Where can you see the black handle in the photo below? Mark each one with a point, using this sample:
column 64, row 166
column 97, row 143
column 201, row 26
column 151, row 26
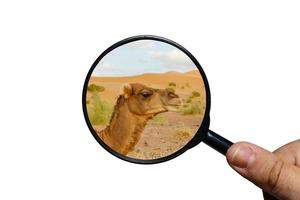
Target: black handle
column 217, row 142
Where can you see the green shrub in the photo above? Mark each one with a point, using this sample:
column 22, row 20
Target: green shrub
column 189, row 100
column 94, row 87
column 99, row 111
column 191, row 109
column 196, row 94
column 185, row 105
column 172, row 84
column 159, row 120
column 170, row 89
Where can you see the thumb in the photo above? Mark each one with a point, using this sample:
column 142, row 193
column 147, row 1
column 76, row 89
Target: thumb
column 265, row 170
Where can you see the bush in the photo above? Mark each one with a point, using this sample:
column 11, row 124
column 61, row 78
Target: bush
column 191, row 109
column 189, row 100
column 170, row 89
column 187, row 85
column 196, row 94
column 99, row 111
column 159, row 120
column 172, row 84
column 94, row 87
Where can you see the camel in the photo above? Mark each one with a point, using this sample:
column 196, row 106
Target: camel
column 134, row 108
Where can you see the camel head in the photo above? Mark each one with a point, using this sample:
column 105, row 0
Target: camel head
column 143, row 100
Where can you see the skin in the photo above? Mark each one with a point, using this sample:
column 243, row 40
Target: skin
column 277, row 173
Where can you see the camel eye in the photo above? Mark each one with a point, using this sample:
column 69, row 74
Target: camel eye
column 146, row 93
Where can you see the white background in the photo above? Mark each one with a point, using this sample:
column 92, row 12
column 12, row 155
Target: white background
column 249, row 51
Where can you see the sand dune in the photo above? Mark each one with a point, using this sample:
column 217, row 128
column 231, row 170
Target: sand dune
column 186, row 82
column 191, row 77
column 193, row 73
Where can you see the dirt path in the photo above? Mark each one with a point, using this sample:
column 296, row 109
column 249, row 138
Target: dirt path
column 160, row 140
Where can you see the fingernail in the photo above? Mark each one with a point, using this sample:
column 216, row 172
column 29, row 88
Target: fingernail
column 241, row 156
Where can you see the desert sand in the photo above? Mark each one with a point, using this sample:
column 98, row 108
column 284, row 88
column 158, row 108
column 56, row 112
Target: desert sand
column 113, row 85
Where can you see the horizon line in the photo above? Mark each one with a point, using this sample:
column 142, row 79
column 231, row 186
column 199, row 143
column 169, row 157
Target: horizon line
column 110, row 76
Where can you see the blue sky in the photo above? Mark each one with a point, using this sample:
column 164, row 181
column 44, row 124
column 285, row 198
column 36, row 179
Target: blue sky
column 143, row 56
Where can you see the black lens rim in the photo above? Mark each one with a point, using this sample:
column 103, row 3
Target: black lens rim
column 199, row 134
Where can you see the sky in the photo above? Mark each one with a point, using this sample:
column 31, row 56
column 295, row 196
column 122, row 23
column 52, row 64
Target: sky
column 143, row 56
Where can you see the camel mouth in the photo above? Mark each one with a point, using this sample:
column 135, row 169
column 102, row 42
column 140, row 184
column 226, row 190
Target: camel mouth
column 172, row 108
column 175, row 105
column 166, row 108
column 157, row 110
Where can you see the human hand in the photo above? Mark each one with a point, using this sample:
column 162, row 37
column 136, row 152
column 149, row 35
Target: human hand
column 277, row 173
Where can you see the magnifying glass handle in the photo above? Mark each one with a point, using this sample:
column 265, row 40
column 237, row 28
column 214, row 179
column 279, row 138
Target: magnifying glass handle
column 217, row 142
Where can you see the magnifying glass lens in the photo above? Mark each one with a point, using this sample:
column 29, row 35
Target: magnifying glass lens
column 145, row 100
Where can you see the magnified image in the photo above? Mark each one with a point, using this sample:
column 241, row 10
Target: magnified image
column 145, row 99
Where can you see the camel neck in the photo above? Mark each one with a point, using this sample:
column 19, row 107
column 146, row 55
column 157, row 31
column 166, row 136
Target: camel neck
column 125, row 128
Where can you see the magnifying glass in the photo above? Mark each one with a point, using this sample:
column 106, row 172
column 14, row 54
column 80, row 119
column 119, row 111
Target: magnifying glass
column 146, row 100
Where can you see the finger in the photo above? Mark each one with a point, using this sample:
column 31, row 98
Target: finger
column 265, row 169
column 290, row 153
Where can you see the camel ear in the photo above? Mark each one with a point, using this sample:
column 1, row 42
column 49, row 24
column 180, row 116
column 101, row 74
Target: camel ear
column 127, row 90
